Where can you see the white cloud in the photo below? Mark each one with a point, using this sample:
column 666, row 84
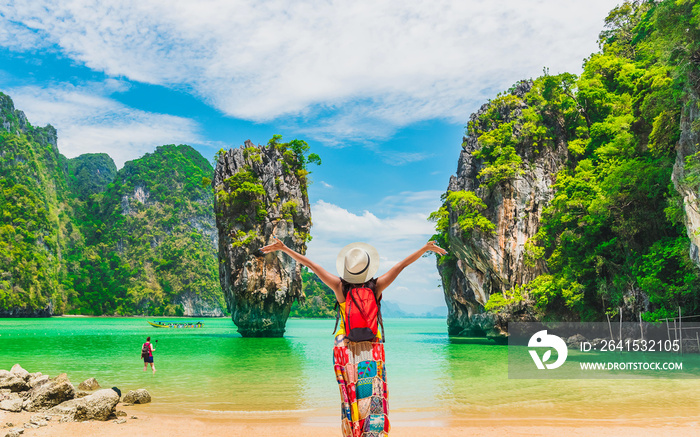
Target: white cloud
column 402, row 231
column 88, row 122
column 331, row 219
column 367, row 66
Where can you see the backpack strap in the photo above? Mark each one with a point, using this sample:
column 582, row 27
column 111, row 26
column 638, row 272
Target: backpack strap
column 379, row 317
column 337, row 316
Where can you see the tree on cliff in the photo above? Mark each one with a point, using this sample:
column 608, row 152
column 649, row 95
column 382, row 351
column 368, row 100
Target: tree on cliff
column 612, row 235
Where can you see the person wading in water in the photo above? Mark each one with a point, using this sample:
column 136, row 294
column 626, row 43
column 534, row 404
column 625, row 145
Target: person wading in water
column 358, row 354
column 147, row 350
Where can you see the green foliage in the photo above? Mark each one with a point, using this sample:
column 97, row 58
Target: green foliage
column 32, row 217
column 512, row 128
column 243, row 193
column 498, row 301
column 143, row 252
column 241, row 238
column 289, row 209
column 691, row 177
column 78, row 237
column 90, row 173
column 468, row 207
column 613, row 225
column 296, row 157
column 252, row 153
column 495, row 131
column 320, row 299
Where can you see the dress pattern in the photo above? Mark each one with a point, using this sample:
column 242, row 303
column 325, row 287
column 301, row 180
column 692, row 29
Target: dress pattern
column 361, row 374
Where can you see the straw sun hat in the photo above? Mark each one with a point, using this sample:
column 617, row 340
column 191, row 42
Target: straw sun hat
column 357, row 262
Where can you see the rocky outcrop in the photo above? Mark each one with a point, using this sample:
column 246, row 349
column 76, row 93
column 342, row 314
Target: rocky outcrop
column 140, row 396
column 686, row 171
column 194, row 306
column 49, row 394
column 260, row 193
column 89, row 384
column 56, row 399
column 97, row 406
column 488, row 263
column 11, row 402
column 12, row 381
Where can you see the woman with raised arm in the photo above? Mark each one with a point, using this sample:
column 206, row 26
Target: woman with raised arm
column 359, row 365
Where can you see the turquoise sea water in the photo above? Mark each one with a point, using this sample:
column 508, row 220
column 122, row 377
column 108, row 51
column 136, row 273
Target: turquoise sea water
column 432, row 378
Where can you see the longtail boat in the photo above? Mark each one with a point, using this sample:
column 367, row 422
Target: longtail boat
column 176, row 325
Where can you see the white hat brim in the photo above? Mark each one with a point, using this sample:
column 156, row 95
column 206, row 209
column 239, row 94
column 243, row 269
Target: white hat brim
column 367, row 274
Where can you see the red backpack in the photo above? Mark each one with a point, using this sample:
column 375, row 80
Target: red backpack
column 362, row 316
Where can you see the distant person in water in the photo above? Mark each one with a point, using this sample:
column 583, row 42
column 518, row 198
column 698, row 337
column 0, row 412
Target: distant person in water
column 147, row 350
column 359, row 365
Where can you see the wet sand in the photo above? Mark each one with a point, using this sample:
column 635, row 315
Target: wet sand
column 150, row 423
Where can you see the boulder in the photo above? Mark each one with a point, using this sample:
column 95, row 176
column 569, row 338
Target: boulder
column 140, row 396
column 37, row 421
column 11, row 402
column 13, row 382
column 49, row 394
column 15, row 432
column 17, row 370
column 37, row 379
column 89, row 385
column 97, row 406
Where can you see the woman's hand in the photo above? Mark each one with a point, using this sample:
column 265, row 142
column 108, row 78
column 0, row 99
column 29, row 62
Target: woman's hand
column 430, row 246
column 274, row 246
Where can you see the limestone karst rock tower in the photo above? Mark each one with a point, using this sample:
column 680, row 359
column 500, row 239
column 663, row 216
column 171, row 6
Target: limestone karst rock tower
column 261, row 193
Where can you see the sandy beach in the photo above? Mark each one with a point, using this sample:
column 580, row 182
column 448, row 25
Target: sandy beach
column 190, row 425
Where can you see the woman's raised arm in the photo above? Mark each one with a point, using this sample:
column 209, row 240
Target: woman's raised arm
column 387, row 278
column 327, row 278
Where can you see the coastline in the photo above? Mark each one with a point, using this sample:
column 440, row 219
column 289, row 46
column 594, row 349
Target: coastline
column 178, row 425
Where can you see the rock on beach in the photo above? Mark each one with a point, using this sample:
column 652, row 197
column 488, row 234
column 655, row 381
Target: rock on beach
column 97, row 406
column 58, row 398
column 90, row 384
column 140, row 396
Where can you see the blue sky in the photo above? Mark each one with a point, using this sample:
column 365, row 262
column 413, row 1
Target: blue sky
column 380, row 90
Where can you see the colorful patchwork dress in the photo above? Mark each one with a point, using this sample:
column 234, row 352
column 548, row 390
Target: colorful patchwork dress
column 361, row 374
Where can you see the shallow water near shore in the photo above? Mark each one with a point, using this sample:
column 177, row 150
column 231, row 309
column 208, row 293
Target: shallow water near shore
column 433, row 379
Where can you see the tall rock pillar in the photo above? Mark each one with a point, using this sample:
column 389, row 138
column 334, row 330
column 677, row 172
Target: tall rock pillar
column 260, row 193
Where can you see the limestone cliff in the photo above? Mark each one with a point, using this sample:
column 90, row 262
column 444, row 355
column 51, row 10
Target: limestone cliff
column 159, row 221
column 493, row 262
column 685, row 173
column 32, row 195
column 260, row 193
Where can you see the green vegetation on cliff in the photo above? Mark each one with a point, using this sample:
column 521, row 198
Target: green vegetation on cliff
column 76, row 236
column 612, row 236
column 33, row 218
column 150, row 240
column 319, row 301
column 90, row 173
